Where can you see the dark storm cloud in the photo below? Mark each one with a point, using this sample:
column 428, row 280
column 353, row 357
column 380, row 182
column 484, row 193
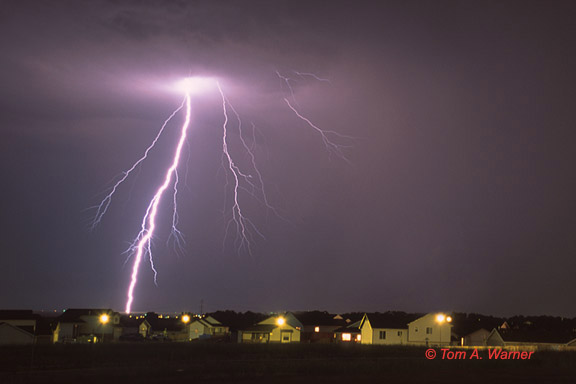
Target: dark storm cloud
column 459, row 194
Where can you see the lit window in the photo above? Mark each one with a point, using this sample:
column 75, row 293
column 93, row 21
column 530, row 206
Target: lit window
column 358, row 337
column 317, row 329
column 346, row 337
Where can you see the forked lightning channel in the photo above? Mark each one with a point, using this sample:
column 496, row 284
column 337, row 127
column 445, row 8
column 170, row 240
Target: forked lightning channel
column 242, row 226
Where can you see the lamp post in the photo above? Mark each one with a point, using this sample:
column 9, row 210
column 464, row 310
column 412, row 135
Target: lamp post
column 104, row 319
column 186, row 319
column 441, row 319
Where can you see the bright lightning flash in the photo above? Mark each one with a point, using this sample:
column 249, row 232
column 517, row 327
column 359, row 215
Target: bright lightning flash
column 241, row 180
column 142, row 244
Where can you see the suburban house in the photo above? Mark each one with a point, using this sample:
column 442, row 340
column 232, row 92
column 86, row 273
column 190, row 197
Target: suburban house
column 476, row 338
column 319, row 327
column 160, row 327
column 388, row 328
column 13, row 335
column 349, row 334
column 399, row 328
column 205, row 327
column 87, row 326
column 434, row 329
column 282, row 328
column 23, row 319
column 540, row 339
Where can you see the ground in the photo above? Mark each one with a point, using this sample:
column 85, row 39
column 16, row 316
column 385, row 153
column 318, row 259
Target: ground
column 302, row 363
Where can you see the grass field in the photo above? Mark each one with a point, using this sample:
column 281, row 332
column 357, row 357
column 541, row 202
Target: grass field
column 237, row 363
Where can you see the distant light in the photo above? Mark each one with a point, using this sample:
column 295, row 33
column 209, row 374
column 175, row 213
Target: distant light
column 440, row 318
column 104, row 318
column 449, row 319
column 280, row 321
column 317, row 329
column 185, row 319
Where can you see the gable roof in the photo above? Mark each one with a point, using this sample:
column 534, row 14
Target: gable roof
column 534, row 336
column 209, row 320
column 389, row 320
column 316, row 318
column 351, row 328
column 18, row 314
column 13, row 328
column 74, row 314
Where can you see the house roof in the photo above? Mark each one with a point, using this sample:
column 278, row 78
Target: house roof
column 73, row 315
column 209, row 320
column 316, row 318
column 351, row 328
column 481, row 330
column 18, row 314
column 390, row 320
column 16, row 329
column 171, row 324
column 535, row 336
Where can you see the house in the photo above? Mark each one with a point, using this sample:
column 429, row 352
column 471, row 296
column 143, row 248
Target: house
column 390, row 328
column 282, row 328
column 23, row 319
column 349, row 334
column 205, row 327
column 476, row 338
column 13, row 335
column 434, row 329
column 87, row 326
column 530, row 338
column 319, row 327
column 165, row 328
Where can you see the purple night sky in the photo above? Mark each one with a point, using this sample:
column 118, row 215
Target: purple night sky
column 460, row 194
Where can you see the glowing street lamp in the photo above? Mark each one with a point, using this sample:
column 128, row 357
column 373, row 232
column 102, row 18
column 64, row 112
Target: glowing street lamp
column 441, row 319
column 280, row 321
column 186, row 319
column 104, row 319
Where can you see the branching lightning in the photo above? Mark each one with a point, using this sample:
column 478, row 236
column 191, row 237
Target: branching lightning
column 142, row 244
column 238, row 180
column 243, row 225
column 330, row 145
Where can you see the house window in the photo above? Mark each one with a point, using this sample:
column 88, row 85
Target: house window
column 358, row 338
column 428, row 330
column 382, row 335
column 416, row 329
column 346, row 337
column 399, row 333
column 286, row 338
column 316, row 329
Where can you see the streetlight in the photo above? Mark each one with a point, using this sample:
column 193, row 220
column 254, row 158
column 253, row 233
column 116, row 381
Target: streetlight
column 186, row 319
column 441, row 319
column 104, row 319
column 280, row 321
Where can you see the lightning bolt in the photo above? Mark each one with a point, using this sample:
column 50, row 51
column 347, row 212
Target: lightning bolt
column 244, row 226
column 142, row 244
column 240, row 180
column 331, row 146
column 103, row 206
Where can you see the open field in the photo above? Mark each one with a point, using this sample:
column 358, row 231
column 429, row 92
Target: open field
column 308, row 363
